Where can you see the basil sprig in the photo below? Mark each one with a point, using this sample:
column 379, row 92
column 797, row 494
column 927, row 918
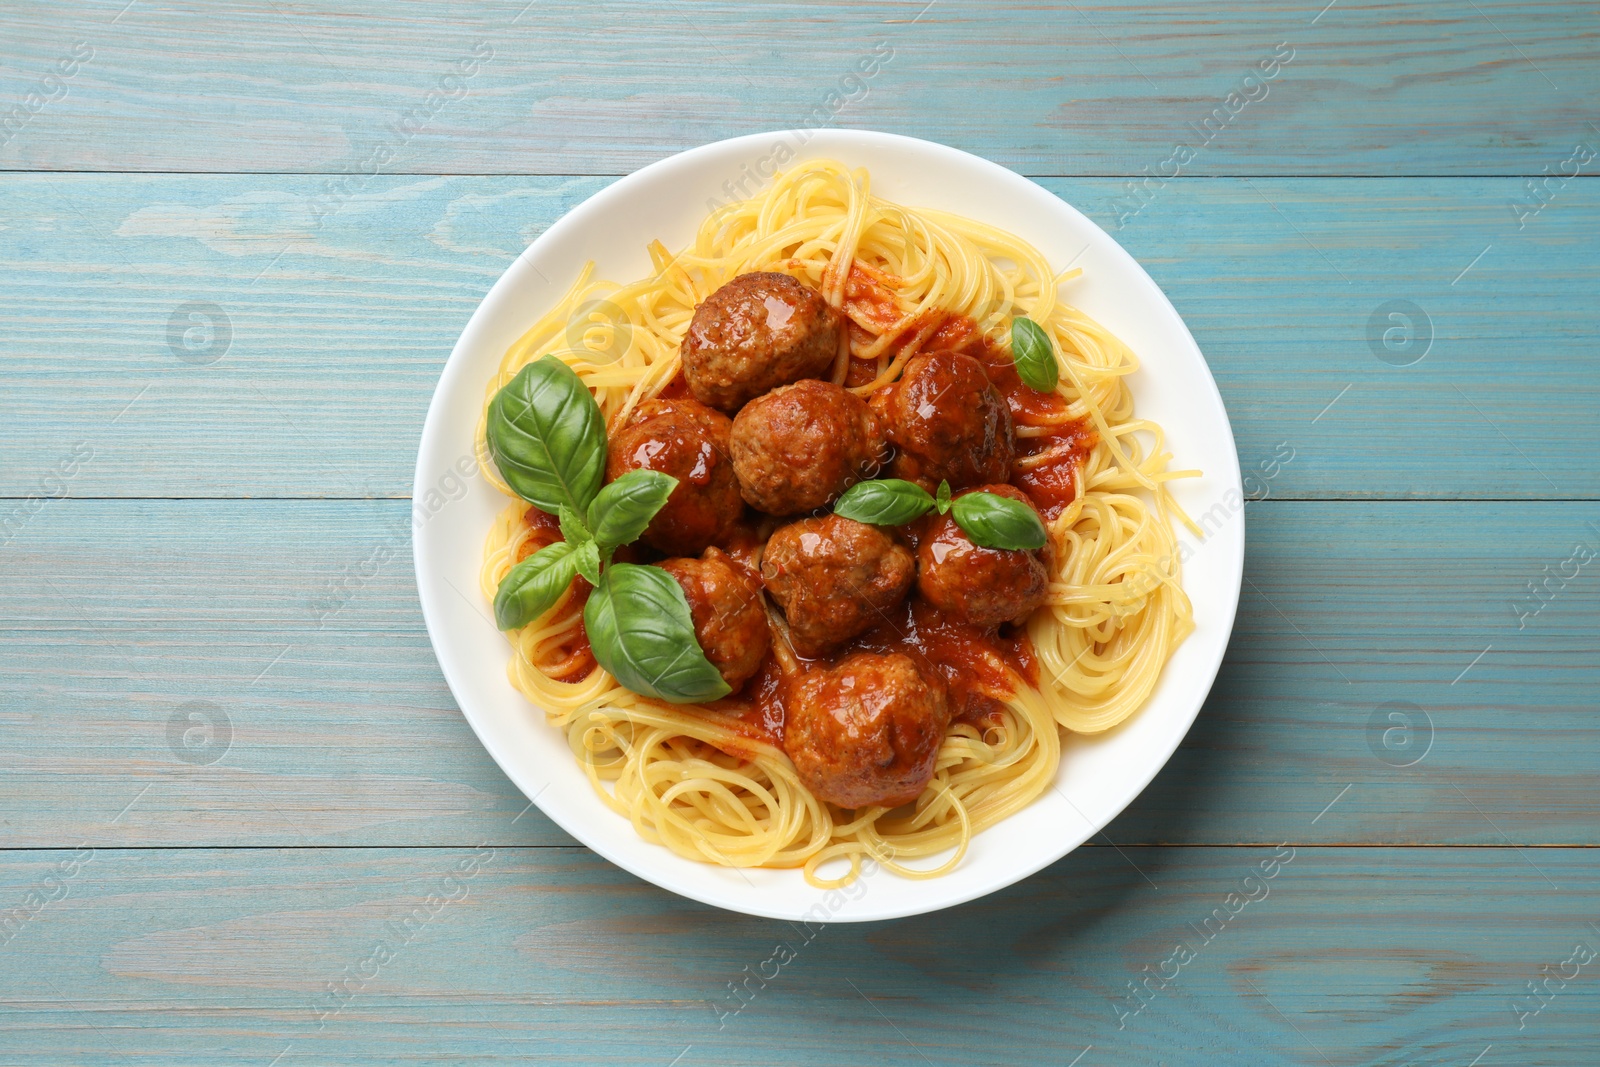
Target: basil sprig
column 638, row 619
column 548, row 438
column 617, row 515
column 988, row 519
column 1034, row 355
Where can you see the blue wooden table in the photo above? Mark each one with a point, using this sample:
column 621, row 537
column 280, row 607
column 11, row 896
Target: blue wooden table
column 238, row 241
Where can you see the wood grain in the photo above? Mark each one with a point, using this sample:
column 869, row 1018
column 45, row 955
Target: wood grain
column 336, row 334
column 1497, row 87
column 1344, row 956
column 342, row 731
column 239, row 240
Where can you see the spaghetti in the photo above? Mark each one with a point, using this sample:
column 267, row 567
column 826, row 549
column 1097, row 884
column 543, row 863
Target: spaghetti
column 699, row 781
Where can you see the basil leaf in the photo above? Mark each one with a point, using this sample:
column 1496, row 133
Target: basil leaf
column 1034, row 355
column 885, row 502
column 941, row 499
column 533, row 585
column 625, row 507
column 995, row 521
column 586, row 559
column 573, row 531
column 641, row 631
column 548, row 438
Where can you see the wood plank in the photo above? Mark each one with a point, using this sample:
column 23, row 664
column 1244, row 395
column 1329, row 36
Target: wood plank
column 1344, row 956
column 336, row 335
column 1375, row 87
column 119, row 614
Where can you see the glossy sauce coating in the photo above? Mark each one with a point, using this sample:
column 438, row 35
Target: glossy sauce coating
column 1050, row 482
column 976, row 664
column 834, row 578
column 947, row 421
column 729, row 620
column 983, row 587
column 881, row 674
column 798, row 447
column 689, row 441
column 977, row 667
column 759, row 331
column 867, row 730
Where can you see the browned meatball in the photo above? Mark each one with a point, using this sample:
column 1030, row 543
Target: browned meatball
column 866, row 732
column 729, row 619
column 801, row 445
column 758, row 332
column 981, row 586
column 689, row 441
column 947, row 421
column 834, row 577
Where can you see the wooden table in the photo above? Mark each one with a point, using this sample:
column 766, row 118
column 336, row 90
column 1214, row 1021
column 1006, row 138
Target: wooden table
column 239, row 241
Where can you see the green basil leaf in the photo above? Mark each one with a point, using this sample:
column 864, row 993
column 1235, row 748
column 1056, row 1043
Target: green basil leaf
column 625, row 507
column 586, row 558
column 641, row 631
column 548, row 438
column 941, row 500
column 1034, row 355
column 573, row 530
column 885, row 502
column 533, row 585
column 995, row 521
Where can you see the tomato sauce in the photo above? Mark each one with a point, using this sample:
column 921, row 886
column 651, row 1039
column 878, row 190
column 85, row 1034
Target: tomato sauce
column 673, row 390
column 974, row 664
column 869, row 295
column 756, row 711
column 1053, row 484
column 579, row 662
column 544, row 530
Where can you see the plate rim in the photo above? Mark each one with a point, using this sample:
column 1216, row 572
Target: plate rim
column 456, row 364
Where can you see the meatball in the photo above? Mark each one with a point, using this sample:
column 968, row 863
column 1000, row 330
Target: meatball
column 866, row 732
column 947, row 421
column 729, row 619
column 689, row 441
column 981, row 586
column 801, row 445
column 756, row 333
column 834, row 577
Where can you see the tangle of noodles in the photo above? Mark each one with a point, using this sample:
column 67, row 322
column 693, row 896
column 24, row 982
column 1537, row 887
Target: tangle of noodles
column 686, row 776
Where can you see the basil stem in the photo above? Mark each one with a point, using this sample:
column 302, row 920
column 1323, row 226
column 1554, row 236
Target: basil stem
column 994, row 521
column 885, row 502
column 548, row 438
column 641, row 631
column 534, row 585
column 625, row 507
column 1034, row 355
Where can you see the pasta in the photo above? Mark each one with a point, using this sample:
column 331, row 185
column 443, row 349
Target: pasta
column 695, row 779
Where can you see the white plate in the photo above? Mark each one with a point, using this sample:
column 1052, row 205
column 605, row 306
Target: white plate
column 667, row 200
